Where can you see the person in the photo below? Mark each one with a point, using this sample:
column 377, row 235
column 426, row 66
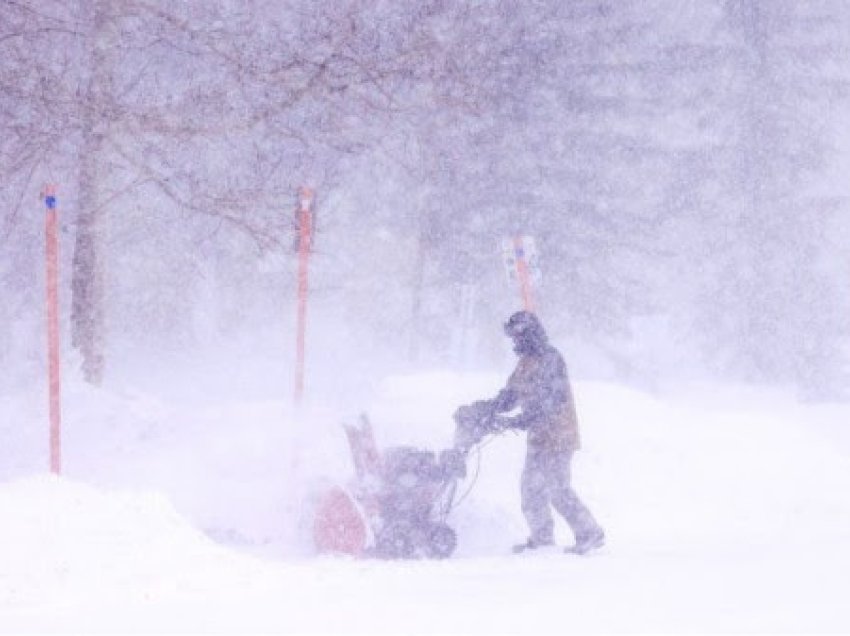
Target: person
column 540, row 387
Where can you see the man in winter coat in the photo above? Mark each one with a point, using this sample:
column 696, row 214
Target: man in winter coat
column 539, row 386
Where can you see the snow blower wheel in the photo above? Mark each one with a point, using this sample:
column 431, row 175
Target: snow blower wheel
column 396, row 541
column 442, row 541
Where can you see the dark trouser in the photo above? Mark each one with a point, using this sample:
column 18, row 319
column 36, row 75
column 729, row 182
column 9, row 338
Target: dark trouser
column 545, row 482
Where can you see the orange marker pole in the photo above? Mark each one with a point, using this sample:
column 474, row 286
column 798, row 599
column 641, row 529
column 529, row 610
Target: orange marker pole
column 53, row 366
column 523, row 274
column 305, row 231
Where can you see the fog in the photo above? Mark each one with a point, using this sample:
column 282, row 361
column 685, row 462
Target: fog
column 680, row 166
column 675, row 172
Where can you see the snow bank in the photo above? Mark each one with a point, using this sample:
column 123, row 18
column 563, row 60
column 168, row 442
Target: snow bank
column 67, row 543
column 724, row 511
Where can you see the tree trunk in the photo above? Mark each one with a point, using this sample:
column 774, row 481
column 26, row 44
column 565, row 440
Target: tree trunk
column 87, row 311
column 87, row 278
column 417, row 290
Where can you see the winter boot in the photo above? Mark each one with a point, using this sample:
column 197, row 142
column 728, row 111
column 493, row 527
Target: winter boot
column 532, row 544
column 587, row 542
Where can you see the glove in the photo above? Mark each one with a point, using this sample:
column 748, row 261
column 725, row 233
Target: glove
column 470, row 414
column 473, row 421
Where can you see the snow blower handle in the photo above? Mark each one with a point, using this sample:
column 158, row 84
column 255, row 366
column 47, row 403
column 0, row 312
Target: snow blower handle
column 474, row 422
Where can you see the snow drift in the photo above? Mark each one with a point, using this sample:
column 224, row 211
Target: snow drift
column 726, row 510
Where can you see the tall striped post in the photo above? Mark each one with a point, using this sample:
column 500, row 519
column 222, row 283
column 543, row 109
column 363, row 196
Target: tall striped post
column 53, row 362
column 305, row 232
column 523, row 273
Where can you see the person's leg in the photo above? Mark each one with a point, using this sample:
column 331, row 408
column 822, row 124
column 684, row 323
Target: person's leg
column 588, row 533
column 535, row 499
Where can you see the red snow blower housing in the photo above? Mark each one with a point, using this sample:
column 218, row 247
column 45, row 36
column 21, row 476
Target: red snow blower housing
column 399, row 502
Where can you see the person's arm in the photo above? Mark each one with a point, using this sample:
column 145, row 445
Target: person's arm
column 505, row 400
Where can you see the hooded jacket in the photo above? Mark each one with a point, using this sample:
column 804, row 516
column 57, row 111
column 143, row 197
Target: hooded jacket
column 540, row 387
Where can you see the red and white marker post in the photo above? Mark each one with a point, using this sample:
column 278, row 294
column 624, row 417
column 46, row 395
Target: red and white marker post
column 521, row 266
column 523, row 274
column 53, row 360
column 305, row 234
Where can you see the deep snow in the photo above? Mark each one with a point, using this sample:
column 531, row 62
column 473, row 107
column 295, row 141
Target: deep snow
column 726, row 511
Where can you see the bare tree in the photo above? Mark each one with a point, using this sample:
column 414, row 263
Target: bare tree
column 219, row 111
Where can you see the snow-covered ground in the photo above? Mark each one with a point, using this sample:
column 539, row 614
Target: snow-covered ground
column 727, row 510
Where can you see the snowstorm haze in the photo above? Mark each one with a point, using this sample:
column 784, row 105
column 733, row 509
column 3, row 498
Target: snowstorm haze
column 682, row 167
column 672, row 175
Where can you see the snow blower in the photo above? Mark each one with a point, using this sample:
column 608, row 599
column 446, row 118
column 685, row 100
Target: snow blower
column 397, row 506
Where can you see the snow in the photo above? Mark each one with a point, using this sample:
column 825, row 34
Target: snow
column 726, row 510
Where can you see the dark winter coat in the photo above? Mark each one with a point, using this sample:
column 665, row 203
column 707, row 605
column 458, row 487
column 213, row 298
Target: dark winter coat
column 540, row 387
